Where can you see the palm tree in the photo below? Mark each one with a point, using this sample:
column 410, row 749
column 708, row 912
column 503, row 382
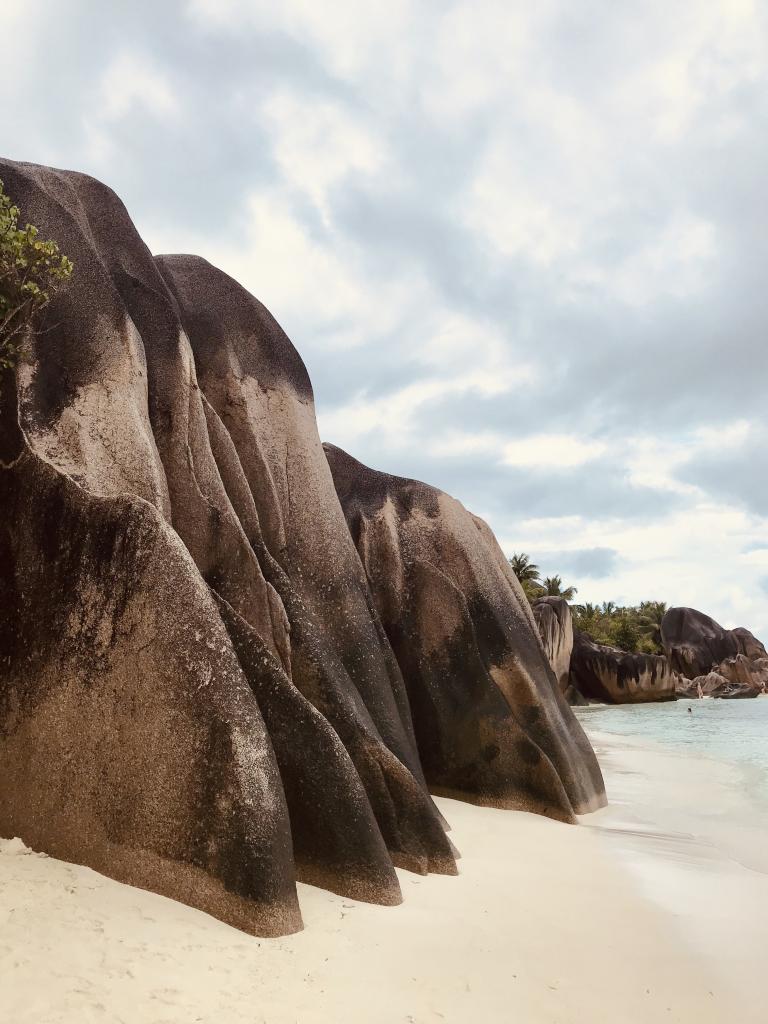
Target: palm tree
column 650, row 614
column 528, row 575
column 553, row 587
column 587, row 610
column 525, row 570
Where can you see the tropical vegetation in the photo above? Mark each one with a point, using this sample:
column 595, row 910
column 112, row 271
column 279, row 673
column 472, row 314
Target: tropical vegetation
column 629, row 627
column 30, row 271
column 553, row 587
column 529, row 576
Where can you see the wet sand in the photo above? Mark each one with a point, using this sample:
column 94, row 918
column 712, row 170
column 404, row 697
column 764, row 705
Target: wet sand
column 644, row 913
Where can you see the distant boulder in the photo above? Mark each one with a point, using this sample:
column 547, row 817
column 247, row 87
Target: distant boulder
column 555, row 624
column 608, row 674
column 751, row 673
column 715, row 684
column 694, row 643
column 749, row 645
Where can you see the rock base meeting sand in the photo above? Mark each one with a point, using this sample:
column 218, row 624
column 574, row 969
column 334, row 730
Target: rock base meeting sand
column 625, row 918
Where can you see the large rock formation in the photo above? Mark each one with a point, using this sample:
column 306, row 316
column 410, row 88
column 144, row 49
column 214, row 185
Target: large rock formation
column 613, row 676
column 490, row 721
column 745, row 672
column 694, row 643
column 714, row 684
column 196, row 692
column 736, row 677
column 555, row 624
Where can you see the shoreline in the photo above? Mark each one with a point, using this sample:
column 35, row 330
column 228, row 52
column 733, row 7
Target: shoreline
column 690, row 788
column 639, row 914
column 692, row 835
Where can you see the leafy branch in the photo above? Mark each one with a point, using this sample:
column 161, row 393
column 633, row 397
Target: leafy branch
column 30, row 271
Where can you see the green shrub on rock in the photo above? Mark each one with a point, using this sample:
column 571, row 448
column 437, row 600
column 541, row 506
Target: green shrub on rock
column 30, row 270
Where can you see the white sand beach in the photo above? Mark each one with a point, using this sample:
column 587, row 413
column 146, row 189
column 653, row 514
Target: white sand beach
column 648, row 912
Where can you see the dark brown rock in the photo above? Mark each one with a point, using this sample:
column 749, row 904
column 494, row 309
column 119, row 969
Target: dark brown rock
column 694, row 643
column 608, row 674
column 261, row 416
column 129, row 738
column 490, row 721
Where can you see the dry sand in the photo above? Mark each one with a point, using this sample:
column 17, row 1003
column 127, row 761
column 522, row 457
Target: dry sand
column 642, row 915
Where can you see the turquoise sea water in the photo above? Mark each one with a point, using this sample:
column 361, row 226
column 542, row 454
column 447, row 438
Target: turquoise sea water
column 733, row 731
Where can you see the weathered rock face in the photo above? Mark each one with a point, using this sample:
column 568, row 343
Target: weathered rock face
column 129, row 738
column 751, row 673
column 159, row 572
column 263, row 436
column 695, row 643
column 196, row 692
column 715, row 684
column 611, row 675
column 490, row 721
column 555, row 624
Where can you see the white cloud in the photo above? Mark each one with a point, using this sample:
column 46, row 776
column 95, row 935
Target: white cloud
column 475, row 54
column 314, row 281
column 551, row 450
column 393, row 417
column 674, row 263
column 318, row 144
column 701, row 51
column 655, row 461
column 537, row 451
column 349, row 36
column 515, row 220
column 18, row 19
column 132, row 81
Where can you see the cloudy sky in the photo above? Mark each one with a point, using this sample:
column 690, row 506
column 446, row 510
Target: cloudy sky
column 521, row 247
